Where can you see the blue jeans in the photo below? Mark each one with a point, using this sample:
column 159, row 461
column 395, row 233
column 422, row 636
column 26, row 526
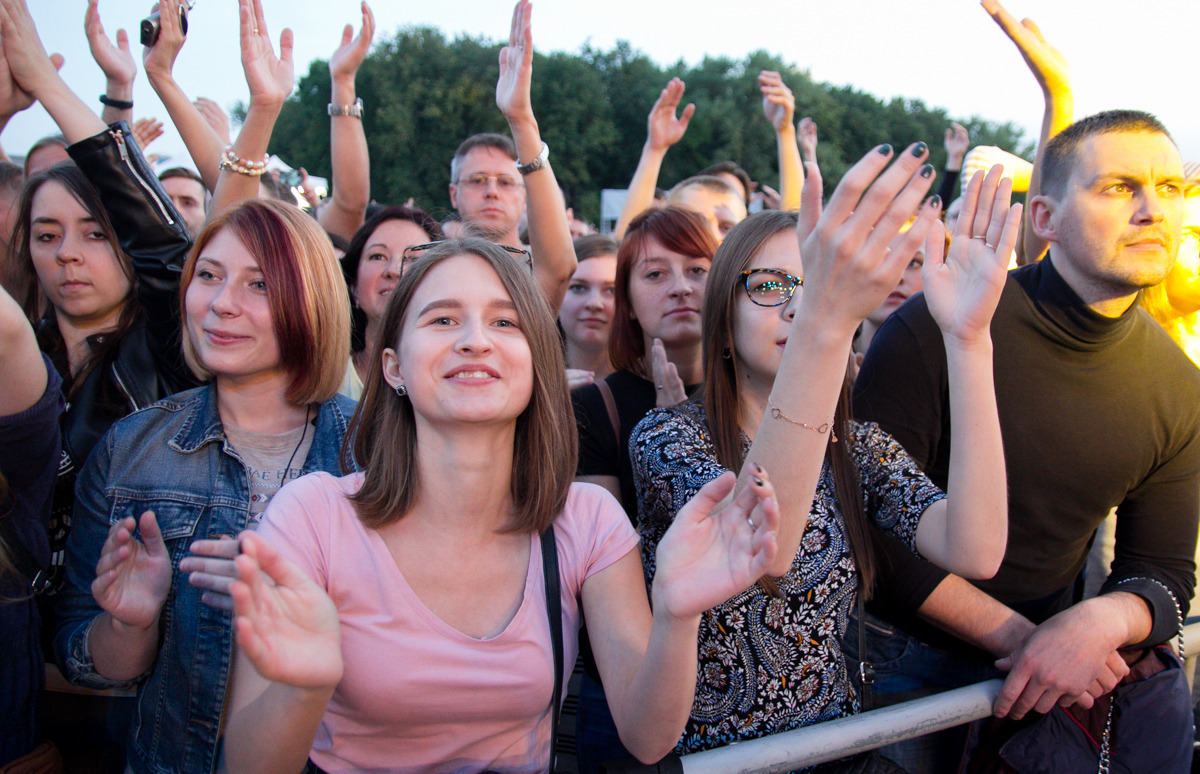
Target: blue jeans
column 596, row 738
column 907, row 669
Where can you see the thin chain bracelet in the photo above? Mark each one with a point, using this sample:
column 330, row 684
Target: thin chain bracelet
column 777, row 413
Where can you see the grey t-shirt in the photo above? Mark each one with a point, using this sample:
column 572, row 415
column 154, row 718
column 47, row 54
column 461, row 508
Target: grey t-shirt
column 272, row 459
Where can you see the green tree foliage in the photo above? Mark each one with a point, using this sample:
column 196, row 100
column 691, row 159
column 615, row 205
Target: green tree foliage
column 423, row 95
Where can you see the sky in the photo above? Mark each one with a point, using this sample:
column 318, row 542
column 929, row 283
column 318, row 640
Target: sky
column 948, row 53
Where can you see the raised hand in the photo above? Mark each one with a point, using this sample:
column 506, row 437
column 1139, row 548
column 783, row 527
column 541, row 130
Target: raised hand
column 159, row 59
column 578, row 377
column 269, row 77
column 116, row 61
column 214, row 116
column 146, row 131
column 855, row 254
column 350, row 54
column 28, row 64
column 667, row 384
column 957, row 143
column 778, row 102
column 963, row 289
column 286, row 625
column 1046, row 63
column 132, row 577
column 712, row 552
column 516, row 66
column 210, row 567
column 664, row 128
column 806, row 134
column 14, row 99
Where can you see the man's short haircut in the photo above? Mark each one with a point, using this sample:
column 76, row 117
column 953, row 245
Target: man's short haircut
column 46, row 142
column 730, row 168
column 707, row 182
column 1058, row 158
column 183, row 172
column 486, row 140
column 12, row 177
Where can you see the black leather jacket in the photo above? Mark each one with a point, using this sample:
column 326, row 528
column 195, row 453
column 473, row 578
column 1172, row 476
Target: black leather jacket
column 147, row 364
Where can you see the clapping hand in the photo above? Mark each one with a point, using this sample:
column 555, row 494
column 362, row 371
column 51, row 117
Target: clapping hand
column 116, row 61
column 350, row 55
column 286, row 624
column 711, row 552
column 132, row 577
column 963, row 289
column 806, row 134
column 29, row 66
column 957, row 143
column 211, row 567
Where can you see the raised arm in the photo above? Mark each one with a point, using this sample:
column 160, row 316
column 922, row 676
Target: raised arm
column 967, row 532
column 14, row 99
column 37, row 74
column 851, row 261
column 779, row 106
column 24, row 371
column 549, row 233
column 957, row 142
column 663, row 129
column 347, row 140
column 1050, row 69
column 117, row 64
column 270, row 79
column 202, row 142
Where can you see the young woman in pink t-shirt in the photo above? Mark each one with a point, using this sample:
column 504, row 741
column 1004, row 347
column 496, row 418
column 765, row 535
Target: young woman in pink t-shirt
column 396, row 619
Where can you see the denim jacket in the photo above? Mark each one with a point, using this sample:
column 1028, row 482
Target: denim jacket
column 171, row 458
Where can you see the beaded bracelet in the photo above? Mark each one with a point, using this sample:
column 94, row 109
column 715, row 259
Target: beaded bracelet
column 232, row 162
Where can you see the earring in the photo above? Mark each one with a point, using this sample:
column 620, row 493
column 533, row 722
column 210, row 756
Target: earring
column 727, row 353
column 401, row 390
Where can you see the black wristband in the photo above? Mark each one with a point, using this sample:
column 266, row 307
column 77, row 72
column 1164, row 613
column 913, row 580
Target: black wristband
column 119, row 104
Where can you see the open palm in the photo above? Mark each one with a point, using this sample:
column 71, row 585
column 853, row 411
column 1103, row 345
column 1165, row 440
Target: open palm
column 132, row 577
column 286, row 625
column 516, row 65
column 712, row 552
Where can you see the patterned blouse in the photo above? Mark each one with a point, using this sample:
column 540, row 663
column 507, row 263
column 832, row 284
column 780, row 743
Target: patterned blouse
column 769, row 664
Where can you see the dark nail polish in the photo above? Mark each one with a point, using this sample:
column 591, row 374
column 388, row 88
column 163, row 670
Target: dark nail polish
column 885, row 149
column 926, row 170
column 758, row 468
column 935, row 201
column 919, row 149
column 757, row 480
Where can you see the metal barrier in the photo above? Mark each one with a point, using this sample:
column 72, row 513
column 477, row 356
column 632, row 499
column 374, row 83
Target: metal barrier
column 848, row 736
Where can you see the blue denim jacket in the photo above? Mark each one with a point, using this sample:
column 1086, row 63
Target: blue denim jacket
column 171, row 458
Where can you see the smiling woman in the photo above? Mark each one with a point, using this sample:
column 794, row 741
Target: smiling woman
column 267, row 323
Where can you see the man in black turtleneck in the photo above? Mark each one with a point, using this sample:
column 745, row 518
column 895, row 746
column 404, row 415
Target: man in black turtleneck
column 1098, row 409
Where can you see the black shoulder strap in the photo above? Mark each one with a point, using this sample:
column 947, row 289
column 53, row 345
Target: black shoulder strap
column 554, row 613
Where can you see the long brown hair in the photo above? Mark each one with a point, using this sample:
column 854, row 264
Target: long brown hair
column 384, row 426
column 76, row 185
column 721, row 386
column 679, row 230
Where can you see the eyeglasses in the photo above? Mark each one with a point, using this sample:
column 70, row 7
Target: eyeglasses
column 770, row 287
column 480, row 181
column 414, row 252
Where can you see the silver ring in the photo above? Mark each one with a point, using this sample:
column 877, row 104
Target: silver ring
column 658, row 386
column 989, row 245
column 980, row 236
column 750, row 521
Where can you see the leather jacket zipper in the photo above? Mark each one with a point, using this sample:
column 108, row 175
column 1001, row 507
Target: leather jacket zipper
column 149, row 189
column 121, row 383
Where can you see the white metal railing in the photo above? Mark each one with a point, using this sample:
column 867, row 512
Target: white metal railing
column 848, row 736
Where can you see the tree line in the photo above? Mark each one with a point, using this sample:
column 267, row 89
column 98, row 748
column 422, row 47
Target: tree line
column 423, row 94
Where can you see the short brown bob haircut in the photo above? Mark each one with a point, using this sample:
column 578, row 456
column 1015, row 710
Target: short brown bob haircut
column 679, row 230
column 384, row 429
column 310, row 310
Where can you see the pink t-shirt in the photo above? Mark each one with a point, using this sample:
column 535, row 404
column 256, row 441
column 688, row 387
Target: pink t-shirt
column 417, row 695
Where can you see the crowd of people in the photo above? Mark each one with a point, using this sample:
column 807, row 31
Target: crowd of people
column 302, row 484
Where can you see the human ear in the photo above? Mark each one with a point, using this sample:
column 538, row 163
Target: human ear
column 454, row 196
column 1041, row 217
column 391, row 368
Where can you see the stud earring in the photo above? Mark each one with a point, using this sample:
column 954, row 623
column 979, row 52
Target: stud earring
column 401, row 390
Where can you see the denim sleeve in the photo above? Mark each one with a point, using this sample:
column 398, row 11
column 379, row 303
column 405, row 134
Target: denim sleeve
column 75, row 609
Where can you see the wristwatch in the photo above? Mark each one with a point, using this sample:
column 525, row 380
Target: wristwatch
column 537, row 163
column 354, row 111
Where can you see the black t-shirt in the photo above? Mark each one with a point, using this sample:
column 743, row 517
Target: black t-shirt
column 1095, row 413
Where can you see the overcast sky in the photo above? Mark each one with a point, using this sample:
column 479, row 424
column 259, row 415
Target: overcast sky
column 948, row 53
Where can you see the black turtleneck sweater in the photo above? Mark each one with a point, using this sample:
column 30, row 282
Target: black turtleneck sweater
column 1096, row 413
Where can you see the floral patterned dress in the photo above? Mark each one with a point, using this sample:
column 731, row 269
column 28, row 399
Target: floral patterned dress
column 769, row 664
